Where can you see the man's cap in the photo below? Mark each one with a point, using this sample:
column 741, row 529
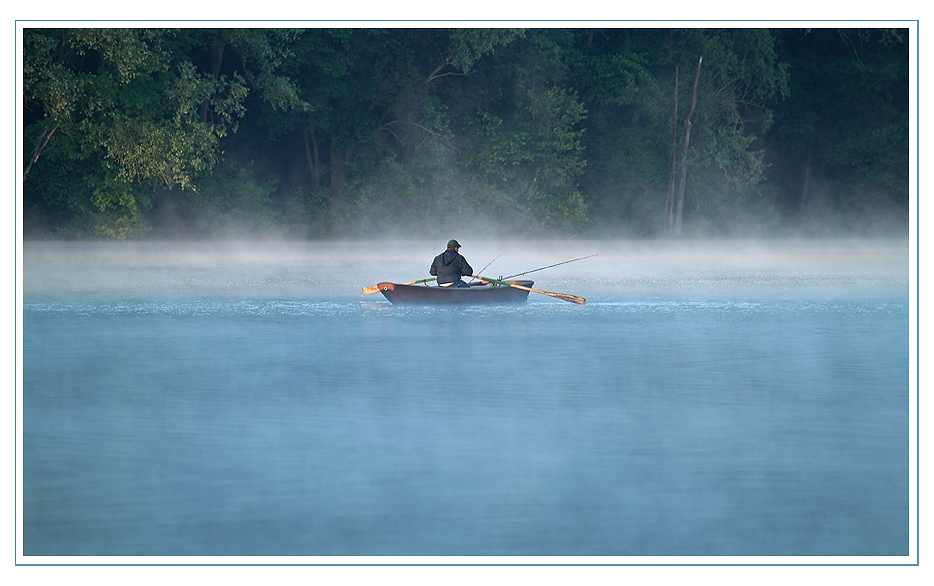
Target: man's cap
column 453, row 244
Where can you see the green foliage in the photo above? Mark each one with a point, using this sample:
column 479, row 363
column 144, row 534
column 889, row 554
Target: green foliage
column 171, row 150
column 469, row 45
column 231, row 202
column 263, row 53
column 872, row 146
column 118, row 214
column 73, row 193
column 114, row 95
column 740, row 74
column 343, row 132
column 847, row 118
column 236, row 201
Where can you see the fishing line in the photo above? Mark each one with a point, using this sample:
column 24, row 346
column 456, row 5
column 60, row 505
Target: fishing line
column 543, row 268
column 483, row 269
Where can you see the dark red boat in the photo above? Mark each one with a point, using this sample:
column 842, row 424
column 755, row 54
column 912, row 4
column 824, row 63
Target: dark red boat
column 476, row 294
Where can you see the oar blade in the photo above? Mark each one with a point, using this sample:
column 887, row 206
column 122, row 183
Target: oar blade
column 570, row 298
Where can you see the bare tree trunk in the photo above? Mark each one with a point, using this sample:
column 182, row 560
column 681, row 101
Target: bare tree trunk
column 311, row 154
column 807, row 177
column 338, row 170
column 669, row 203
column 684, row 163
column 40, row 145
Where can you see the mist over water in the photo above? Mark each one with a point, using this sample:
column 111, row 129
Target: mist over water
column 337, row 270
column 711, row 398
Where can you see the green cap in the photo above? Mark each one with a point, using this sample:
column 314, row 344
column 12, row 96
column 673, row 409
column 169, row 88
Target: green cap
column 453, row 244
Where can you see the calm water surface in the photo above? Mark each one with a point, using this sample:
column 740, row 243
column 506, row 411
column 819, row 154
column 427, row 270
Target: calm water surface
column 260, row 409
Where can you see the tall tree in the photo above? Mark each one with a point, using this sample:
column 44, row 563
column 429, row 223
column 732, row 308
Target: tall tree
column 123, row 111
column 624, row 83
column 348, row 131
column 840, row 145
column 743, row 76
column 679, row 205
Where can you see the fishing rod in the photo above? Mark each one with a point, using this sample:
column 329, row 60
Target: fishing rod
column 548, row 267
column 483, row 269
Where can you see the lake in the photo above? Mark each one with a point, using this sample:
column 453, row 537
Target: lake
column 732, row 398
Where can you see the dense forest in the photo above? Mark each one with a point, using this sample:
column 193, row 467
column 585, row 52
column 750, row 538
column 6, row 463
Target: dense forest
column 324, row 132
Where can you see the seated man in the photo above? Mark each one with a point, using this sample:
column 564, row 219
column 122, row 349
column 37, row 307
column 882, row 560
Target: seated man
column 450, row 266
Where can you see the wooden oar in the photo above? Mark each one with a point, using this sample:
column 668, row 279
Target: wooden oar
column 375, row 288
column 562, row 296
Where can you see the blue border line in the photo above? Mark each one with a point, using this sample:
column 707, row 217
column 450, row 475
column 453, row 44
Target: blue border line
column 468, row 20
column 918, row 294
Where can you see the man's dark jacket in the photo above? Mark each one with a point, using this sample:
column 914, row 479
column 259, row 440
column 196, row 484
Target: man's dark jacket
column 449, row 267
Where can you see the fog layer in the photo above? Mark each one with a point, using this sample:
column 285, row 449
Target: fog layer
column 338, row 270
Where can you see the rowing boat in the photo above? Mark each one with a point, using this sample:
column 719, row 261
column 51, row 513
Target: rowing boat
column 476, row 294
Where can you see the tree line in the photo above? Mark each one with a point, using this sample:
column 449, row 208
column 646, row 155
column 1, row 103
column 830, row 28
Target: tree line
column 324, row 132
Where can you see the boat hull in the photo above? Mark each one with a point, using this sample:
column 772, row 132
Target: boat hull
column 476, row 294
